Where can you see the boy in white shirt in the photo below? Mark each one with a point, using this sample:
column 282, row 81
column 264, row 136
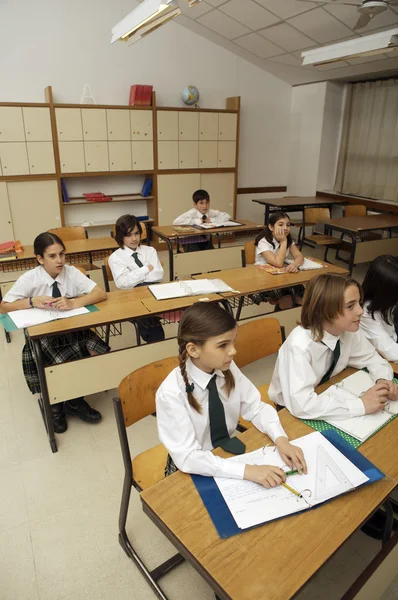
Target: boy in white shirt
column 133, row 265
column 199, row 214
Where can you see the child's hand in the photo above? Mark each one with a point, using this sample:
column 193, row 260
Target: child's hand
column 266, row 475
column 150, row 267
column 42, row 302
column 392, row 388
column 291, row 268
column 376, row 397
column 279, row 234
column 292, row 455
column 62, row 303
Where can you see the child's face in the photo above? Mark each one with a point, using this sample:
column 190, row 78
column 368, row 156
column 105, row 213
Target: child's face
column 53, row 259
column 202, row 206
column 282, row 226
column 216, row 353
column 352, row 311
column 133, row 239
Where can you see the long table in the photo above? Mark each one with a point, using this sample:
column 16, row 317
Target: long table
column 296, row 203
column 273, row 561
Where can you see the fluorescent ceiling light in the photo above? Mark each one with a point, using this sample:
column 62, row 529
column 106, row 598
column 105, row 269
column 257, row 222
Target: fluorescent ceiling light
column 378, row 43
column 144, row 19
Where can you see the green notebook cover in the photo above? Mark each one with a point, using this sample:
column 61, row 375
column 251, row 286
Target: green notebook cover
column 9, row 324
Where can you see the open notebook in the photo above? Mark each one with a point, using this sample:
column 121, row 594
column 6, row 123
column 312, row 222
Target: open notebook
column 213, row 225
column 37, row 316
column 190, row 287
column 330, row 474
column 308, row 264
column 365, row 426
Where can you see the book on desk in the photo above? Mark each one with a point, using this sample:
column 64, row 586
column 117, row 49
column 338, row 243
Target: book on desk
column 191, row 287
column 217, row 225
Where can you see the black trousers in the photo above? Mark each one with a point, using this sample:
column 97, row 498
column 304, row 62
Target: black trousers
column 207, row 245
column 149, row 328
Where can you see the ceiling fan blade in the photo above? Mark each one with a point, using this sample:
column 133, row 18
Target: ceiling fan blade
column 363, row 21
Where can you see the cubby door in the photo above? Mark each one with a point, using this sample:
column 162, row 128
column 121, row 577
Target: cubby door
column 41, row 157
column 6, row 229
column 208, row 126
column 69, row 124
column 94, row 124
column 168, row 155
column 221, row 188
column 118, row 122
column 119, row 156
column 188, row 125
column 141, row 125
column 208, row 155
column 14, row 158
column 167, row 125
column 227, row 126
column 188, row 155
column 142, row 153
column 175, row 195
column 11, row 124
column 226, row 155
column 97, row 158
column 37, row 124
column 71, row 156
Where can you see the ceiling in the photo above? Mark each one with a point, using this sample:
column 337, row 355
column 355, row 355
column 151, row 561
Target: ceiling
column 273, row 33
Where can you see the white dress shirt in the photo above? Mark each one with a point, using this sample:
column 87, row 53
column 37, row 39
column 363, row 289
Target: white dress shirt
column 37, row 282
column 127, row 274
column 379, row 333
column 302, row 363
column 186, row 433
column 194, row 217
column 265, row 246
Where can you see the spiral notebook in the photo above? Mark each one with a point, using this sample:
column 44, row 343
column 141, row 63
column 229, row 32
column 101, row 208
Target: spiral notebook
column 191, row 287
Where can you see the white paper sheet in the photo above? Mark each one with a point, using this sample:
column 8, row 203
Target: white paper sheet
column 308, row 265
column 213, row 225
column 37, row 316
column 190, row 287
column 330, row 474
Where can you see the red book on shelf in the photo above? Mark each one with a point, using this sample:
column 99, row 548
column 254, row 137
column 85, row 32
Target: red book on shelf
column 100, row 199
column 140, row 95
column 94, row 195
column 7, row 247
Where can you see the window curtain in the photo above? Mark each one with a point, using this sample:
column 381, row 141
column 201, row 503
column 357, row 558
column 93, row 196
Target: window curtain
column 368, row 159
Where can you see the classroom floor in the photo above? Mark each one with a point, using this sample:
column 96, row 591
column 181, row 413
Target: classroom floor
column 59, row 512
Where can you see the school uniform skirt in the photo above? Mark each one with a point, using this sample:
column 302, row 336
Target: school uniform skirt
column 170, row 467
column 57, row 350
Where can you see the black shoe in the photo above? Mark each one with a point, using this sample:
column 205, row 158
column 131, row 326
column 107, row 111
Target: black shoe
column 59, row 420
column 78, row 407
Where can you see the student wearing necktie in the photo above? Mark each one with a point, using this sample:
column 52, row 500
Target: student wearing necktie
column 133, row 265
column 198, row 405
column 56, row 286
column 328, row 341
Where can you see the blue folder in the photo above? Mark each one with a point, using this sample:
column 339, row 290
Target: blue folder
column 220, row 514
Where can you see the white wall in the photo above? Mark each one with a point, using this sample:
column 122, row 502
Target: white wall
column 66, row 44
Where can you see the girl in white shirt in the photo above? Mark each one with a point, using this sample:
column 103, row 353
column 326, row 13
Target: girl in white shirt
column 198, row 405
column 55, row 286
column 380, row 318
column 328, row 341
column 274, row 246
column 133, row 265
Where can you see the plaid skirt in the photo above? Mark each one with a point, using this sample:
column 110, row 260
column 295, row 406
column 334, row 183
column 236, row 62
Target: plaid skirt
column 57, row 350
column 170, row 467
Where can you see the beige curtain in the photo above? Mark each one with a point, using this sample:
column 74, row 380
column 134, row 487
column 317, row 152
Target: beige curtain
column 368, row 159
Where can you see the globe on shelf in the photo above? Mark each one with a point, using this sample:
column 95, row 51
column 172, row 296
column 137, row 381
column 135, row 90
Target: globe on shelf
column 190, row 95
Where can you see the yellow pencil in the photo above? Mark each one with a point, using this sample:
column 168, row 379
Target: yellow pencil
column 295, row 492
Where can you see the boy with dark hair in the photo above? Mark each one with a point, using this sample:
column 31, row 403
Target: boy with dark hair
column 199, row 214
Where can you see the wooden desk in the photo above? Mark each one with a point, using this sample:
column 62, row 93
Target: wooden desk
column 168, row 234
column 297, row 203
column 273, row 561
column 353, row 226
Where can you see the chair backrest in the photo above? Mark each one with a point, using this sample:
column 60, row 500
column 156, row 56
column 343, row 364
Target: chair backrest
column 144, row 234
column 81, row 269
column 67, row 234
column 250, row 253
column 257, row 339
column 313, row 215
column 206, row 261
column 137, row 391
column 355, row 210
column 107, row 274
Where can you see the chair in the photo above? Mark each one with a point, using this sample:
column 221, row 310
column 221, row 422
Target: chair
column 250, row 253
column 137, row 400
column 258, row 339
column 144, row 235
column 68, row 234
column 207, row 261
column 311, row 217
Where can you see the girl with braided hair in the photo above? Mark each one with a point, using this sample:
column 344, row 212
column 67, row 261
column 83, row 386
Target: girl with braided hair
column 198, row 405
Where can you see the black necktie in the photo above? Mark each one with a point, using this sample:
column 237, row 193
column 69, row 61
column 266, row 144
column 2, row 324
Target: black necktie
column 137, row 260
column 56, row 292
column 218, row 427
column 336, row 356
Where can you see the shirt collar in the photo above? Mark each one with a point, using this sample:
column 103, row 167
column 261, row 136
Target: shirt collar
column 330, row 340
column 199, row 377
column 60, row 278
column 129, row 251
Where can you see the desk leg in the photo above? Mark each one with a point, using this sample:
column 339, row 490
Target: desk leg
column 45, row 400
column 266, row 214
column 353, row 249
column 171, row 258
column 301, row 242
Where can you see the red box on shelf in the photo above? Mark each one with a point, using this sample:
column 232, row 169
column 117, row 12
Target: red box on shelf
column 140, row 95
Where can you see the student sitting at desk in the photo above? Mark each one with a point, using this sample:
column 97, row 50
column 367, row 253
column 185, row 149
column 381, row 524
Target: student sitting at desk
column 274, row 245
column 328, row 341
column 380, row 318
column 199, row 214
column 133, row 265
column 199, row 403
column 55, row 286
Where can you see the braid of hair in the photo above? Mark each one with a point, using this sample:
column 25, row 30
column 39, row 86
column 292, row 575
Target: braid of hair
column 229, row 381
column 182, row 357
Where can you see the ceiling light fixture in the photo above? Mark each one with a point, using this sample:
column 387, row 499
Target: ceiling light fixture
column 144, row 19
column 370, row 45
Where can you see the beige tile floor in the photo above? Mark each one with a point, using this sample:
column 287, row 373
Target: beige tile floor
column 59, row 512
